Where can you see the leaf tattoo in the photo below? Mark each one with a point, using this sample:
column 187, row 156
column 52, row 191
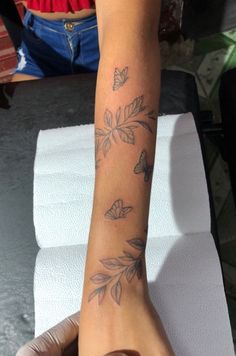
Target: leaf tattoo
column 152, row 115
column 143, row 167
column 96, row 153
column 100, row 292
column 120, row 77
column 112, row 263
column 126, row 266
column 126, row 135
column 121, row 125
column 100, row 278
column 116, row 292
column 108, row 118
column 137, row 243
column 134, row 108
column 118, row 211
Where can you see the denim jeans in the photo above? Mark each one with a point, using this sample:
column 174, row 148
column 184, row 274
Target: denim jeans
column 58, row 47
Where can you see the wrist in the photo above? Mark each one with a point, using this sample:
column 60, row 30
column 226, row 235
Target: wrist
column 115, row 264
column 113, row 280
column 114, row 298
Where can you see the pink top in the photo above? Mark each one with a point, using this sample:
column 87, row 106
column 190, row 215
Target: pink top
column 59, row 5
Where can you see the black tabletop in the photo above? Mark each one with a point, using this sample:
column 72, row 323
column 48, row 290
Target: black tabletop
column 26, row 108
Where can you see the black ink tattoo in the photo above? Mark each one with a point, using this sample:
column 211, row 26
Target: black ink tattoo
column 120, row 77
column 127, row 266
column 96, row 154
column 116, row 128
column 152, row 115
column 143, row 167
column 118, row 211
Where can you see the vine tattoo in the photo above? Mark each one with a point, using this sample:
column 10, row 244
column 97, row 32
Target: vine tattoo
column 125, row 267
column 143, row 167
column 122, row 125
column 118, row 211
column 120, row 77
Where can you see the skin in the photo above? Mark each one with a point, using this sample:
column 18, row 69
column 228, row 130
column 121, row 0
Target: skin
column 116, row 310
column 60, row 340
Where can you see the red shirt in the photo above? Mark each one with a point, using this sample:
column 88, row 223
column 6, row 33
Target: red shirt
column 59, row 5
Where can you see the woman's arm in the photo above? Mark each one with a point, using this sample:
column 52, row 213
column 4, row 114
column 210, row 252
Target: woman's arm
column 126, row 107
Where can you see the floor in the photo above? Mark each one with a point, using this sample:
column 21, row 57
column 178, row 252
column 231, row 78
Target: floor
column 207, row 58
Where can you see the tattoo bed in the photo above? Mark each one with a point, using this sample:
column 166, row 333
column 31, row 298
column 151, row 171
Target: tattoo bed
column 194, row 329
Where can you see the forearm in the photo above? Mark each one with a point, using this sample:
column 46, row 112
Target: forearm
column 126, row 110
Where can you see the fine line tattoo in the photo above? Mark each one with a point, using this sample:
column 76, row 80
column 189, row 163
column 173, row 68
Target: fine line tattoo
column 118, row 211
column 120, row 77
column 152, row 115
column 121, row 126
column 143, row 167
column 125, row 267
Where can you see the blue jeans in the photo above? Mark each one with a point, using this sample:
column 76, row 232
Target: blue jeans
column 58, row 47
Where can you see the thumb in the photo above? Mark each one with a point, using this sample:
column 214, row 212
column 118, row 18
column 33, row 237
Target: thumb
column 123, row 353
column 55, row 340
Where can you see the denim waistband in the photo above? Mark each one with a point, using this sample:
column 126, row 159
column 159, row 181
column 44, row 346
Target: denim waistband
column 59, row 25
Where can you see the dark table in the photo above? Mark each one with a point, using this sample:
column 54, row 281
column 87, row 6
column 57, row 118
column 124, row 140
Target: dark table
column 26, row 108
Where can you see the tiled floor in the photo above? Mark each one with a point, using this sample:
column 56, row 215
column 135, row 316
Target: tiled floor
column 211, row 57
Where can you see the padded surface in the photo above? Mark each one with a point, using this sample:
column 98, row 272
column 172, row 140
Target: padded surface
column 64, row 182
column 185, row 286
column 26, row 108
column 183, row 267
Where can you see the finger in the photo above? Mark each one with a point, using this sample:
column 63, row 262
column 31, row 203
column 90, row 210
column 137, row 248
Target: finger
column 54, row 341
column 64, row 333
column 123, row 353
column 116, row 354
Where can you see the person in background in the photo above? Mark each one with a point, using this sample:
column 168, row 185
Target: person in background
column 59, row 38
column 116, row 313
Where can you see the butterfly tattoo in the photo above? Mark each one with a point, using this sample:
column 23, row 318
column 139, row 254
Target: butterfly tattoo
column 143, row 167
column 120, row 77
column 118, row 211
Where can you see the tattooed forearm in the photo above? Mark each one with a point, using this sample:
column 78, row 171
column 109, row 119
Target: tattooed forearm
column 120, row 77
column 122, row 125
column 125, row 268
column 143, row 167
column 118, row 211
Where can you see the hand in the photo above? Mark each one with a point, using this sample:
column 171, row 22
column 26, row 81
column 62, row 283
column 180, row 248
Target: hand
column 133, row 326
column 60, row 340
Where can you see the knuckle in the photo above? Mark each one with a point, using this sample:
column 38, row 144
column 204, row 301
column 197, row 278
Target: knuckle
column 26, row 350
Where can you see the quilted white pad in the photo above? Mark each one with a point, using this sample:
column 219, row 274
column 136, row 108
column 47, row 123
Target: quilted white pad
column 64, row 174
column 183, row 267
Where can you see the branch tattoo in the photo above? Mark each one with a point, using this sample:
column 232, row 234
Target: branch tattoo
column 118, row 211
column 123, row 268
column 121, row 126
